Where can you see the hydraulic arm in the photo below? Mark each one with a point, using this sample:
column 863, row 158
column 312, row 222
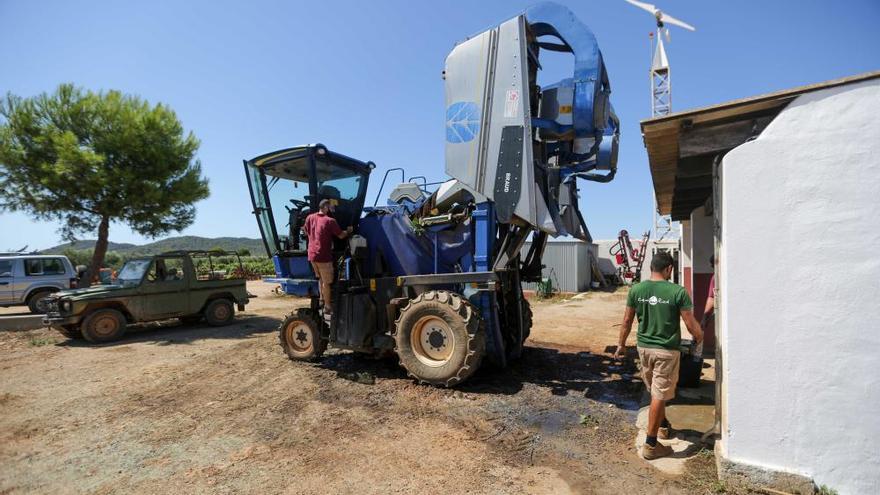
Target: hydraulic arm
column 522, row 146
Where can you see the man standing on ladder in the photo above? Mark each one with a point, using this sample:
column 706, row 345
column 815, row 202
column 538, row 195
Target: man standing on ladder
column 320, row 229
column 659, row 304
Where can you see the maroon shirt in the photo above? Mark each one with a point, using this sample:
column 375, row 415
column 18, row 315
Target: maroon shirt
column 321, row 229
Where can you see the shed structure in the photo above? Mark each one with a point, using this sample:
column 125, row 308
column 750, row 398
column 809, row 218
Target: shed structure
column 566, row 263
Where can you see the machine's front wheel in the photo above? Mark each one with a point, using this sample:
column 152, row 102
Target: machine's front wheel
column 300, row 336
column 439, row 338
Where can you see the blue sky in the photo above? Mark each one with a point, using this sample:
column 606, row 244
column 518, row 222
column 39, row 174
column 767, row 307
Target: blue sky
column 364, row 78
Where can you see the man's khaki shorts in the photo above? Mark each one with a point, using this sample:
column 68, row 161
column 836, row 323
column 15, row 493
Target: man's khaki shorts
column 660, row 371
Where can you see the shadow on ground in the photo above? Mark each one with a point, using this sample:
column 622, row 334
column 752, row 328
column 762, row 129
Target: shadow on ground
column 594, row 376
column 172, row 332
column 582, row 374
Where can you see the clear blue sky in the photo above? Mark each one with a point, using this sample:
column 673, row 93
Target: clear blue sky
column 364, row 78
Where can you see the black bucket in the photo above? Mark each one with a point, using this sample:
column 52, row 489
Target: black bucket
column 690, row 367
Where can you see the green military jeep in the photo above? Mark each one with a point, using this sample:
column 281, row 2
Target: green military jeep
column 178, row 284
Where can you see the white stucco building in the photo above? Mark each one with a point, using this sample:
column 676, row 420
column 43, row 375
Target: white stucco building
column 785, row 188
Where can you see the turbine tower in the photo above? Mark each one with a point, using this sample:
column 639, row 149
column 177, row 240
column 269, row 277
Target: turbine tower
column 661, row 80
column 661, row 89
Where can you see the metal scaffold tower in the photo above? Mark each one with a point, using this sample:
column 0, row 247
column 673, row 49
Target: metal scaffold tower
column 661, row 83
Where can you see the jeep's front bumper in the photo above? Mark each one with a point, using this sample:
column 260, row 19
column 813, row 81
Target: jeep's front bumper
column 53, row 321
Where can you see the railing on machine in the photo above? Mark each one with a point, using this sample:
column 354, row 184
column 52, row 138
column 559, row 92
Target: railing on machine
column 419, row 180
column 402, row 179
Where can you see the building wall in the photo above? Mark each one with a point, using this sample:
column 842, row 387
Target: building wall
column 607, row 263
column 567, row 263
column 798, row 291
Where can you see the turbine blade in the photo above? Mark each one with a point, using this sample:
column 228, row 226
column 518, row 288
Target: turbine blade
column 668, row 19
column 642, row 5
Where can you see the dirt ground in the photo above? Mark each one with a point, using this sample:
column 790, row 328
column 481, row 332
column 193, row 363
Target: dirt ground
column 196, row 409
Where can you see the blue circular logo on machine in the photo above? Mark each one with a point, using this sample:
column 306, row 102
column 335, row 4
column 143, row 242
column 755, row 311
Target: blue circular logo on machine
column 462, row 122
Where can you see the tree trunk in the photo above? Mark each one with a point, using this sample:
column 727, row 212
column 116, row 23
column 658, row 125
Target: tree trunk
column 98, row 255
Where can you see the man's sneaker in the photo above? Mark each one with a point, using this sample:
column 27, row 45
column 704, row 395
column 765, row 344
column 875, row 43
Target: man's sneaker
column 666, row 432
column 656, row 452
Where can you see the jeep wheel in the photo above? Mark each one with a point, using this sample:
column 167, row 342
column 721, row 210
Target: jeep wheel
column 37, row 301
column 103, row 325
column 219, row 312
column 300, row 336
column 440, row 339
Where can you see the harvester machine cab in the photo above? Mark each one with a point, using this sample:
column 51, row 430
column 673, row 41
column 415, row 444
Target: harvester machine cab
column 285, row 187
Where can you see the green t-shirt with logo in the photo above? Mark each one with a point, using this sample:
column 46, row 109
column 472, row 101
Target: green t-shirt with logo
column 658, row 305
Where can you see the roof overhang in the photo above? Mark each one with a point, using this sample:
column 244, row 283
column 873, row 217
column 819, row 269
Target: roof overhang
column 682, row 146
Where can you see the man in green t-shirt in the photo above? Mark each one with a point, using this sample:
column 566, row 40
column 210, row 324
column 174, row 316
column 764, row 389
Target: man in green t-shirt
column 659, row 304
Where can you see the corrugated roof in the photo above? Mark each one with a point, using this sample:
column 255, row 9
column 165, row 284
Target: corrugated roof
column 681, row 146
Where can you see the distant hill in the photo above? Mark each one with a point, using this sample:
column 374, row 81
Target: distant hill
column 80, row 245
column 188, row 242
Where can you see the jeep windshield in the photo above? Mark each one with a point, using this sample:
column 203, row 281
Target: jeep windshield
column 132, row 272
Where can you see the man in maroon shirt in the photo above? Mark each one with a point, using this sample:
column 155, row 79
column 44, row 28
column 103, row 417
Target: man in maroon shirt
column 321, row 228
column 709, row 311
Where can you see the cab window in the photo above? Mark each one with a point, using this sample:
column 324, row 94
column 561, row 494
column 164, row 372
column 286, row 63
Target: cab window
column 5, row 268
column 345, row 188
column 166, row 270
column 43, row 266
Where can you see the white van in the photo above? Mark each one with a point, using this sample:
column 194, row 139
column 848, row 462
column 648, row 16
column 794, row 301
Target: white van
column 26, row 280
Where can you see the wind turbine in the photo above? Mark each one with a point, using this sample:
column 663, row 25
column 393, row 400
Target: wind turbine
column 661, row 82
column 661, row 88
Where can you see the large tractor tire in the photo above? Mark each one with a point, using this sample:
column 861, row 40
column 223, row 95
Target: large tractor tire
column 103, row 325
column 439, row 338
column 527, row 318
column 300, row 336
column 509, row 318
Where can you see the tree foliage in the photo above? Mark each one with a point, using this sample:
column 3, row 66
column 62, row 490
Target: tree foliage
column 86, row 158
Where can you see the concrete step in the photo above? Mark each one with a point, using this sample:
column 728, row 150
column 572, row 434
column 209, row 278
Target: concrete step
column 21, row 322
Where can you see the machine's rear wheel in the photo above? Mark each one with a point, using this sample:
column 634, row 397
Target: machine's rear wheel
column 509, row 318
column 300, row 336
column 527, row 318
column 439, row 338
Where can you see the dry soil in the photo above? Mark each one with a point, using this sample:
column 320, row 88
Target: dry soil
column 196, row 409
